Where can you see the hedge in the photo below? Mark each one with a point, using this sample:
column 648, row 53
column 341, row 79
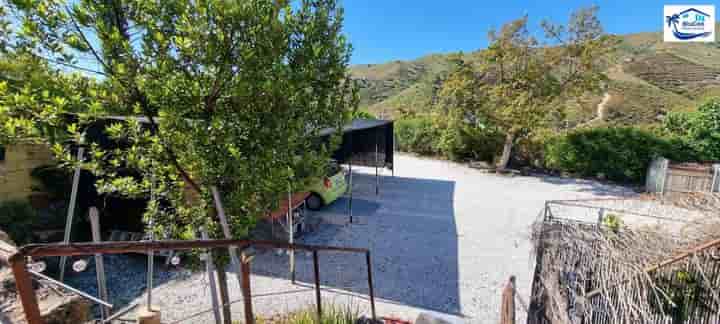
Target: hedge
column 616, row 153
column 417, row 135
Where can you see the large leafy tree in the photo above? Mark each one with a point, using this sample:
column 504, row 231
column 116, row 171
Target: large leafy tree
column 523, row 82
column 230, row 94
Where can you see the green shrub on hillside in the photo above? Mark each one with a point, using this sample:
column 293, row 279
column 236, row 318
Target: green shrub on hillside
column 16, row 219
column 618, row 153
column 698, row 130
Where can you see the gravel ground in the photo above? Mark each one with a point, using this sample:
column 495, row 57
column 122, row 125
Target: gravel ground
column 444, row 238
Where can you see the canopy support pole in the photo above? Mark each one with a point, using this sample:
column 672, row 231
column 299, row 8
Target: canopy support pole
column 71, row 209
column 350, row 184
column 377, row 175
column 351, row 178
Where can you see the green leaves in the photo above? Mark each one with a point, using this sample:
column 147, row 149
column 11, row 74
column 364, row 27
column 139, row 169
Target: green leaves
column 238, row 92
column 698, row 130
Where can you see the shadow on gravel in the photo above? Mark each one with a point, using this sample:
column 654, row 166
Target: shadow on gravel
column 411, row 232
column 126, row 276
column 590, row 186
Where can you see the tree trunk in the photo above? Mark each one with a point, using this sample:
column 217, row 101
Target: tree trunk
column 507, row 148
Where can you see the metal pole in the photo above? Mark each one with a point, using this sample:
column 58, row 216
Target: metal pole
column 210, row 269
column 224, row 296
column 66, row 287
column 351, row 175
column 377, row 176
column 99, row 264
column 351, row 193
column 26, row 291
column 316, row 268
column 150, row 271
column 121, row 312
column 226, row 231
column 71, row 209
column 247, row 296
column 370, row 285
column 291, row 230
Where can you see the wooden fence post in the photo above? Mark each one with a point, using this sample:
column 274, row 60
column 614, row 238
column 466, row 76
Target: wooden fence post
column 226, row 230
column 26, row 291
column 247, row 296
column 507, row 308
column 99, row 264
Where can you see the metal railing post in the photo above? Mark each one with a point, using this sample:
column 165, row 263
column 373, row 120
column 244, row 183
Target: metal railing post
column 18, row 263
column 318, row 302
column 25, row 290
column 370, row 285
column 247, row 296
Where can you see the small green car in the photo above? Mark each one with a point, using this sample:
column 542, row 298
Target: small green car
column 329, row 189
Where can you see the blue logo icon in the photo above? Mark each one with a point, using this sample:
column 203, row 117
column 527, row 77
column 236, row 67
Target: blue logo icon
column 689, row 24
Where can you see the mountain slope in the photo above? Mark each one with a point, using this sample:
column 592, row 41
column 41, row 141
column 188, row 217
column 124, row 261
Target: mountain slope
column 648, row 78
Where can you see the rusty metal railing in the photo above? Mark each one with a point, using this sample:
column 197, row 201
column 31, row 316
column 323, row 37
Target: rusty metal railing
column 26, row 293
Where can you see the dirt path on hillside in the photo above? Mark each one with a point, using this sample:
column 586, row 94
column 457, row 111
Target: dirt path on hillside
column 601, row 113
column 602, row 107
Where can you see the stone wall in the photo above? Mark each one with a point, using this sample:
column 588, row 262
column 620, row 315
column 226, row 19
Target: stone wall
column 20, row 160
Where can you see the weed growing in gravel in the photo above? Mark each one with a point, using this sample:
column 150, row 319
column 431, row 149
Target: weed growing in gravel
column 332, row 314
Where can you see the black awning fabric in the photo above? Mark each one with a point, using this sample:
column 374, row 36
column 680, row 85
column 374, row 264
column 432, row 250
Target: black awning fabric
column 362, row 139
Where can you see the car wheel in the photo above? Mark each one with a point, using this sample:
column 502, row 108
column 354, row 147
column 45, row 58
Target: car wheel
column 314, row 202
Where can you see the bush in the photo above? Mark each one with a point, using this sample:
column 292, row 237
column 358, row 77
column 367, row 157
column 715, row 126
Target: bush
column 460, row 141
column 619, row 153
column 530, row 150
column 698, row 130
column 417, row 135
column 16, row 219
column 447, row 137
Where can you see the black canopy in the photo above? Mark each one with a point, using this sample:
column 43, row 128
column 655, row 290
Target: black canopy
column 362, row 139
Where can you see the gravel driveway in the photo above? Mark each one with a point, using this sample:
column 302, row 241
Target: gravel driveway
column 444, row 238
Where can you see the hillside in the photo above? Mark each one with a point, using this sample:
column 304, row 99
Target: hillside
column 648, row 78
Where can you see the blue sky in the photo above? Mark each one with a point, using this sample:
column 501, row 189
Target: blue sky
column 384, row 30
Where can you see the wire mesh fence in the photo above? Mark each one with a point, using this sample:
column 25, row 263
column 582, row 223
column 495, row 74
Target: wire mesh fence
column 614, row 261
